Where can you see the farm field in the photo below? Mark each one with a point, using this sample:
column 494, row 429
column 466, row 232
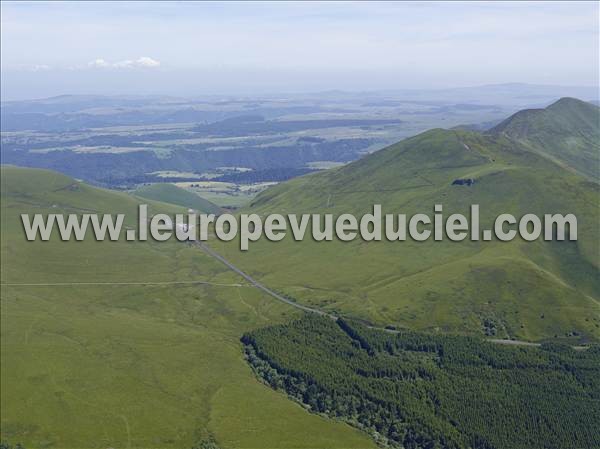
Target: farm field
column 225, row 194
column 166, row 139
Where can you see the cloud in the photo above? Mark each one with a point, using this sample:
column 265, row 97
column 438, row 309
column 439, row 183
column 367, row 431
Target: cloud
column 141, row 62
column 399, row 44
column 146, row 61
column 98, row 63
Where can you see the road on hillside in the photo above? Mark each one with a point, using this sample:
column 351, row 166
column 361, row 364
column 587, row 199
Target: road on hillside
column 204, row 247
column 258, row 284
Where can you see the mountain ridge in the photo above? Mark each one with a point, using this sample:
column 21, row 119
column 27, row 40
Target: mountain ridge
column 544, row 131
column 531, row 290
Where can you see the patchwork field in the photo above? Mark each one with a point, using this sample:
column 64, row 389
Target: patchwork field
column 118, row 142
column 225, row 194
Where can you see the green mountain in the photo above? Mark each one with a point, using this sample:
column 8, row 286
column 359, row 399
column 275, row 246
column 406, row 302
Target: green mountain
column 131, row 344
column 170, row 193
column 567, row 132
column 524, row 290
column 136, row 344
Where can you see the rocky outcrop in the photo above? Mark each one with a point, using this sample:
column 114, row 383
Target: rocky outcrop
column 463, row 182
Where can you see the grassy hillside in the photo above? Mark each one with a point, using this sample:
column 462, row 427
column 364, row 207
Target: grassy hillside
column 567, row 131
column 102, row 347
column 517, row 289
column 136, row 344
column 170, row 193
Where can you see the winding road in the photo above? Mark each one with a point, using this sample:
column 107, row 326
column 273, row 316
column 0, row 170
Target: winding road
column 258, row 284
column 204, row 247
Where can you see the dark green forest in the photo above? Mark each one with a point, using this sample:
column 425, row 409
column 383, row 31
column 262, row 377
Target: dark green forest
column 415, row 390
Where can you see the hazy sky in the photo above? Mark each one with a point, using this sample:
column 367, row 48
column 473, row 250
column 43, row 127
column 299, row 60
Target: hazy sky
column 51, row 48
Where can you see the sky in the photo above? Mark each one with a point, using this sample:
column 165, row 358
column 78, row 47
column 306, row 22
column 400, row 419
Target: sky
column 190, row 49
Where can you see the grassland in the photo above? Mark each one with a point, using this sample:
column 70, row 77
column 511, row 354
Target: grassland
column 172, row 194
column 550, row 132
column 99, row 362
column 529, row 291
column 225, row 194
column 107, row 344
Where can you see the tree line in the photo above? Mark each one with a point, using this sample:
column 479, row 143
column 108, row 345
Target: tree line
column 415, row 390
